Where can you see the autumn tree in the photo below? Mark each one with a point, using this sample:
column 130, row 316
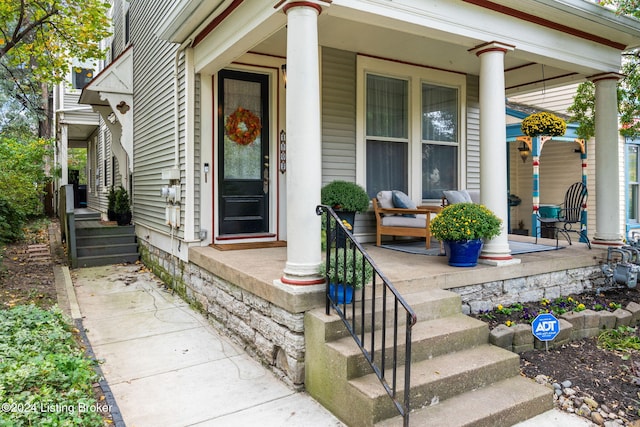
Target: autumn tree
column 583, row 106
column 38, row 40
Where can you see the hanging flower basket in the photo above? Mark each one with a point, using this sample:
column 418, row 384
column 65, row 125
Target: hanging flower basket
column 242, row 126
column 543, row 124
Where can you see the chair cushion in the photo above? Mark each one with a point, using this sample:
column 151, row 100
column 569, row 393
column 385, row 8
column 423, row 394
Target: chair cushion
column 418, row 221
column 385, row 199
column 402, row 201
column 475, row 195
column 457, row 196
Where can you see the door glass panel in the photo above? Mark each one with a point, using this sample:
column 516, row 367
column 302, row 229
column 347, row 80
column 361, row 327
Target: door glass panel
column 242, row 161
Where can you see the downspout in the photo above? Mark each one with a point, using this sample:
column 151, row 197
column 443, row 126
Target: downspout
column 176, row 101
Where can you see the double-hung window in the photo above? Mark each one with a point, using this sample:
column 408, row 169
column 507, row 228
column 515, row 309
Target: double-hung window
column 411, row 129
column 387, row 133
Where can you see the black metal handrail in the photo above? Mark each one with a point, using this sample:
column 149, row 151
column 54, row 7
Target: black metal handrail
column 347, row 262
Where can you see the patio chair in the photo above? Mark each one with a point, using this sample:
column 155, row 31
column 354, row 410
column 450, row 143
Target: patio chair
column 568, row 218
column 401, row 219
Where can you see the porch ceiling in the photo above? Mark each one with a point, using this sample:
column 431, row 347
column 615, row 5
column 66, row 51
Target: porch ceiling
column 522, row 72
column 78, row 134
column 555, row 41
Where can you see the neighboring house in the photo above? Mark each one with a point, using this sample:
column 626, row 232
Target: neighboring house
column 75, row 125
column 405, row 95
column 560, row 166
column 561, row 161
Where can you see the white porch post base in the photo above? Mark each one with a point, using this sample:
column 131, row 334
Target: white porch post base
column 601, row 243
column 496, row 252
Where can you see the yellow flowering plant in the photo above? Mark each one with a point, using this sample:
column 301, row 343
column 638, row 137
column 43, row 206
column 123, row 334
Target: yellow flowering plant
column 465, row 221
column 543, row 124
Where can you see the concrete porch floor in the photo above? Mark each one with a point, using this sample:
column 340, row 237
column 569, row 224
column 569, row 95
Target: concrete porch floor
column 258, row 270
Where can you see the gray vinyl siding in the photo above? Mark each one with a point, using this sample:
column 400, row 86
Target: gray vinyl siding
column 556, row 99
column 154, row 146
column 74, row 112
column 473, row 133
column 338, row 115
column 118, row 37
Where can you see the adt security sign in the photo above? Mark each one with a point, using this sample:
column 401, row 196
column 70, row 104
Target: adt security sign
column 545, row 327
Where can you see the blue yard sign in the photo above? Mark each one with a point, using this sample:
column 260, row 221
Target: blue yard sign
column 545, row 327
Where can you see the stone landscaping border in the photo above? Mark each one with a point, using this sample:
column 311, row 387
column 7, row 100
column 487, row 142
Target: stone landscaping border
column 573, row 326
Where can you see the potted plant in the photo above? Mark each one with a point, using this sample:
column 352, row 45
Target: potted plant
column 543, row 123
column 346, row 199
column 462, row 228
column 122, row 208
column 111, row 204
column 346, row 272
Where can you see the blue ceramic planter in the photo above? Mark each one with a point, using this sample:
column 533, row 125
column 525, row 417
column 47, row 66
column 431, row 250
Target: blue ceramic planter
column 341, row 294
column 463, row 253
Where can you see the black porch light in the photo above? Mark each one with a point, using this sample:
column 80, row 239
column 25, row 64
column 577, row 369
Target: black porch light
column 524, row 152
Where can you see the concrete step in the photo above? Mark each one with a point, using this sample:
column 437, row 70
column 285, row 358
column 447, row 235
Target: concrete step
column 94, row 261
column 106, row 249
column 500, row 404
column 430, row 339
column 435, row 380
column 428, row 305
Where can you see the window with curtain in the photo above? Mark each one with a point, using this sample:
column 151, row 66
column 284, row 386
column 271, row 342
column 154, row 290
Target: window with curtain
column 387, row 134
column 440, row 139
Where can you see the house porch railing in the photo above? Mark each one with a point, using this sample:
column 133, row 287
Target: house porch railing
column 377, row 309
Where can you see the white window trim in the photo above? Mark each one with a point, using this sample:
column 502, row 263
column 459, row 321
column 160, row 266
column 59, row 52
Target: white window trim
column 416, row 75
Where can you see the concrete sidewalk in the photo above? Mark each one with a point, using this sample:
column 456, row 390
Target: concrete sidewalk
column 167, row 366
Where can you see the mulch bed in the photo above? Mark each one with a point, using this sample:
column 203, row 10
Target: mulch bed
column 610, row 377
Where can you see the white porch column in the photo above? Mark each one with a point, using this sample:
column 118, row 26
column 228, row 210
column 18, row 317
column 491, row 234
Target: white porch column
column 493, row 157
column 63, row 159
column 304, row 162
column 608, row 227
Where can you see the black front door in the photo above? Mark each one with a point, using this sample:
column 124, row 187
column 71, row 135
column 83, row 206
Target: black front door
column 243, row 153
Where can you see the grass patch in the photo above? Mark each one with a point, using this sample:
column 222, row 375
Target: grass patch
column 45, row 377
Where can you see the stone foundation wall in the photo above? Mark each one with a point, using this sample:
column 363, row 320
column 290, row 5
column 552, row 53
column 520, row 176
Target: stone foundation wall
column 267, row 332
column 486, row 296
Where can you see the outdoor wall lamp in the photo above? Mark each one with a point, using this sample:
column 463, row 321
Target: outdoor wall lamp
column 524, row 152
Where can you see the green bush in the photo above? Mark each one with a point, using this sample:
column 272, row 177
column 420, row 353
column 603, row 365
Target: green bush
column 345, row 196
column 45, row 379
column 22, row 175
column 11, row 222
column 121, row 205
